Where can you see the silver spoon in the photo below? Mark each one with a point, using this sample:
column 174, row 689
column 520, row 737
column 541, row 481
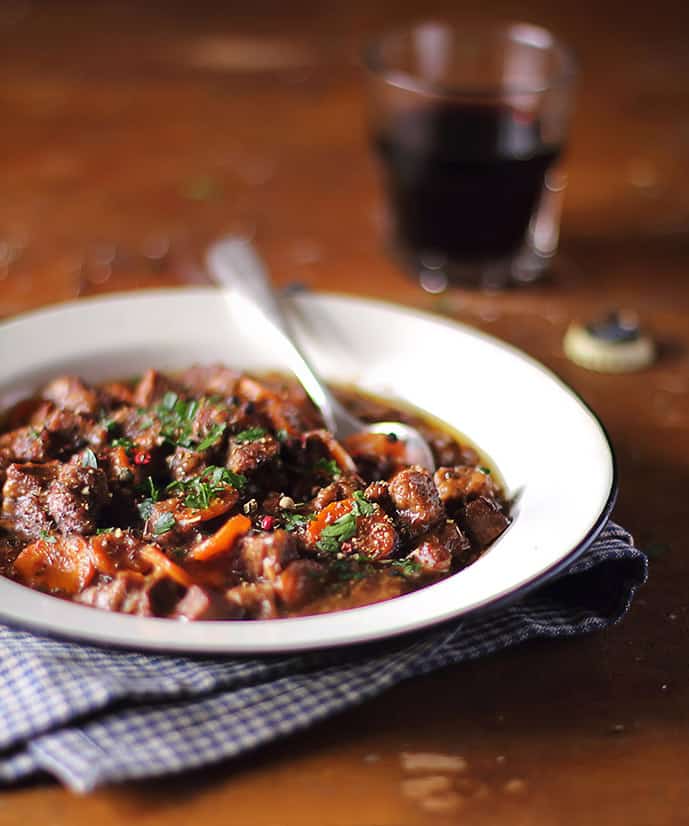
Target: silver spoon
column 234, row 263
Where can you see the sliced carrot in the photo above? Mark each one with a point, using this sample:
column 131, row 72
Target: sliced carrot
column 101, row 558
column 164, row 565
column 120, row 460
column 222, row 502
column 64, row 565
column 223, row 539
column 327, row 516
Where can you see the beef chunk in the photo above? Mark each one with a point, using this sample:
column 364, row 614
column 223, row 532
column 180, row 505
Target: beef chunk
column 162, row 524
column 115, row 394
column 51, row 434
column 446, row 451
column 209, row 419
column 112, row 595
column 432, row 556
column 341, row 489
column 136, row 424
column 130, row 592
column 255, row 600
column 24, row 495
column 416, row 500
column 29, row 444
column 247, row 457
column 54, row 432
column 438, row 549
column 75, row 498
column 152, row 387
column 265, row 555
column 10, row 547
column 214, row 380
column 204, row 604
column 462, row 483
column 375, row 537
column 184, row 462
column 71, row 393
column 300, row 583
column 284, row 410
column 379, row 493
column 121, row 472
column 6, row 460
column 321, row 444
column 484, row 521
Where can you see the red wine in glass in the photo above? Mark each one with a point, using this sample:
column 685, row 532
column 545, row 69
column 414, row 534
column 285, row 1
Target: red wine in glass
column 464, row 182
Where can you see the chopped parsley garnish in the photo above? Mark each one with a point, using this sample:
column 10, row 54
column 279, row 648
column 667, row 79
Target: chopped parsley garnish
column 145, row 508
column 88, row 458
column 282, row 436
column 485, row 470
column 110, row 425
column 46, row 537
column 34, row 433
column 214, row 436
column 344, row 528
column 150, row 488
column 101, row 531
column 328, row 466
column 199, row 491
column 127, row 444
column 362, row 506
column 164, row 523
column 251, row 434
column 221, row 475
column 177, row 421
column 406, row 567
column 192, row 409
column 344, row 570
column 168, row 402
column 296, row 520
column 332, row 536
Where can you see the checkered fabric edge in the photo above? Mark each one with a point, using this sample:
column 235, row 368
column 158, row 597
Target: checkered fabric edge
column 90, row 716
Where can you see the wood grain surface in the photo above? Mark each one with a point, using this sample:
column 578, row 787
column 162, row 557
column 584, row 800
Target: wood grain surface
column 132, row 133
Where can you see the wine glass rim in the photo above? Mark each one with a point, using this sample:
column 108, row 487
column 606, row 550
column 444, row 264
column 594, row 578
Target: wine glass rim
column 527, row 33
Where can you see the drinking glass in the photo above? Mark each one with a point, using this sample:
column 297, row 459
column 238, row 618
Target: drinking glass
column 469, row 123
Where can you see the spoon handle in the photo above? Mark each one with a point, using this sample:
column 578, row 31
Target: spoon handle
column 234, row 263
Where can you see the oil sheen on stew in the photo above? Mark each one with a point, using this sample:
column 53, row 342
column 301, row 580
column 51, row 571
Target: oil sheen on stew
column 212, row 494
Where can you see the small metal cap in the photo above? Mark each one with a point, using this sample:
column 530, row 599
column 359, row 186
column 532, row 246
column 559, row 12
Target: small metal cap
column 613, row 344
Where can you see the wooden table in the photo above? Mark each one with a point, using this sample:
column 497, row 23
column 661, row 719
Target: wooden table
column 132, row 133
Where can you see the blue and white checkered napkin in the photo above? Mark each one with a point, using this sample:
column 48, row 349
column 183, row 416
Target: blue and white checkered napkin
column 89, row 716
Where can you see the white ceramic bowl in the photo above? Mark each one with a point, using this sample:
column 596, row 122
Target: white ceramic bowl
column 548, row 445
